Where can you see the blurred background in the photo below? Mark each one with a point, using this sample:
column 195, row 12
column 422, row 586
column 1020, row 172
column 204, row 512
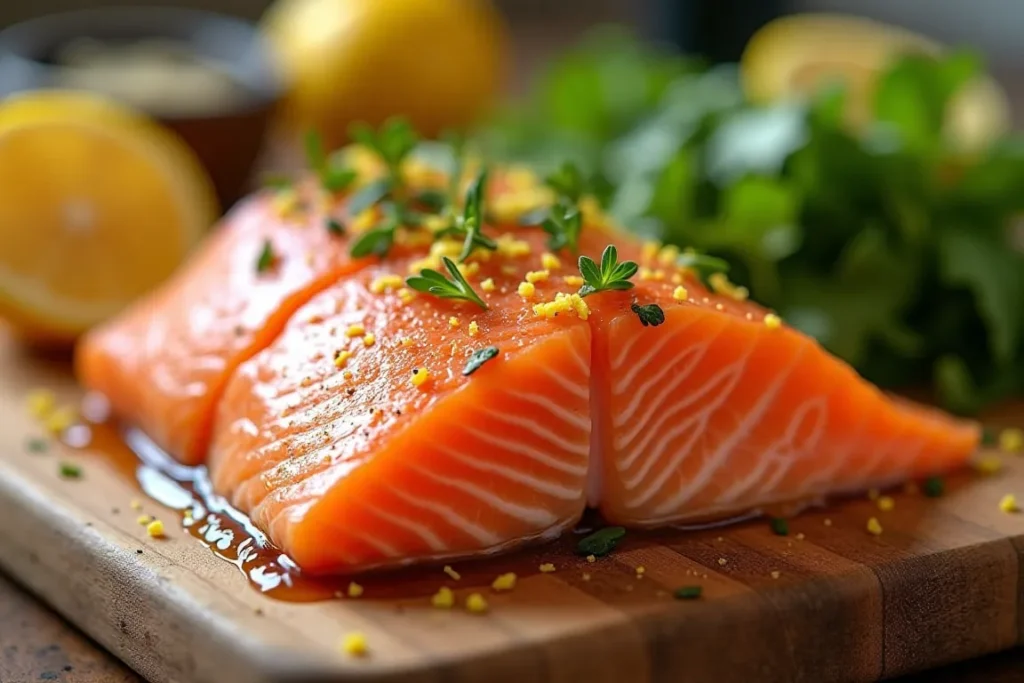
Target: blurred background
column 854, row 163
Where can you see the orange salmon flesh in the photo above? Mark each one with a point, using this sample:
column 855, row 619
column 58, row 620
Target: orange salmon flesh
column 333, row 405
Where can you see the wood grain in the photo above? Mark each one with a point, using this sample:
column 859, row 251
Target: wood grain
column 941, row 584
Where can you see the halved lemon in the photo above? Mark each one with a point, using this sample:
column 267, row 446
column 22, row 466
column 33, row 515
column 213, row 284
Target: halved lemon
column 98, row 205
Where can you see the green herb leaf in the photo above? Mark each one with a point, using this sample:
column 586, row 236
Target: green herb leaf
column 473, row 217
column 688, row 593
column 430, row 281
column 277, row 182
column 70, row 470
column 602, row 542
column 780, row 527
column 267, row 258
column 369, row 195
column 563, row 223
column 37, row 445
column 478, row 358
column 434, row 201
column 612, row 275
column 335, row 227
column 934, row 487
column 373, row 242
column 567, row 182
column 393, row 142
column 313, row 144
column 702, row 262
column 337, row 178
column 649, row 314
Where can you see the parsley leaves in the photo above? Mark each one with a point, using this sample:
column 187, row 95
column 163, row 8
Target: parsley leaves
column 649, row 314
column 479, row 357
column 611, row 276
column 429, row 281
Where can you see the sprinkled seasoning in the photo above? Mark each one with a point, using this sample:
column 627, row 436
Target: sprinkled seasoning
column 874, row 527
column 1008, row 503
column 601, row 542
column 1011, row 440
column 355, row 330
column 549, row 261
column 776, row 574
column 454, row 575
column 988, row 464
column 342, row 358
column 573, row 280
column 444, row 598
column 355, row 645
column 69, row 470
column 453, row 322
column 354, row 590
column 406, row 295
column 504, row 582
column 526, row 289
column 547, row 568
column 60, row 419
column 143, row 520
column 476, row 603
column 640, row 571
column 591, row 559
column 722, row 562
column 688, row 592
column 680, row 293
column 649, row 250
column 886, row 503
column 772, row 321
column 406, row 341
column 41, row 402
column 155, row 529
column 537, row 276
column 668, row 255
column 135, row 504
column 420, row 376
column 385, row 282
column 473, row 329
column 369, row 340
column 563, row 303
column 487, row 285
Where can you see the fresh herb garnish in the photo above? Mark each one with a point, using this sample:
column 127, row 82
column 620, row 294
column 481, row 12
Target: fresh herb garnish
column 313, row 145
column 780, row 527
column 567, row 182
column 688, row 592
column 601, row 542
column 471, row 221
column 989, row 437
column 277, row 182
column 478, row 358
column 378, row 240
column 702, row 262
column 393, row 142
column 336, row 179
column 335, row 227
column 368, row 195
column 267, row 258
column 37, row 445
column 69, row 470
column 934, row 487
column 333, row 177
column 430, row 281
column 563, row 224
column 649, row 314
column 433, row 200
column 612, row 275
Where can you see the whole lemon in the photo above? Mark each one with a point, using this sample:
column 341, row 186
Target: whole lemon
column 439, row 63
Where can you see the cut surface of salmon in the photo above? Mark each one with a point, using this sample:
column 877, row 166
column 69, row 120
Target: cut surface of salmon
column 357, row 440
column 722, row 409
column 162, row 363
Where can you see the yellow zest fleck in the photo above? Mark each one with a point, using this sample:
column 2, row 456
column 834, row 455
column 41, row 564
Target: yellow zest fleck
column 827, row 522
column 645, row 273
column 722, row 562
column 347, row 374
column 873, row 494
column 886, row 503
column 455, row 576
column 719, row 307
column 874, row 527
column 444, row 598
column 406, row 295
column 510, row 247
column 989, row 464
column 649, row 251
column 155, row 529
column 284, row 202
column 676, row 279
column 680, row 293
column 406, row 341
column 776, row 574
column 1011, row 440
column 385, row 282
column 446, row 247
column 487, row 285
column 476, row 603
column 434, row 223
column 526, row 289
column 135, row 504
column 473, row 329
column 510, row 206
column 721, row 284
column 573, row 280
column 547, row 568
column 355, row 330
column 504, row 582
column 585, row 577
column 668, row 255
column 188, row 513
column 537, row 275
column 591, row 559
column 354, row 590
column 60, row 419
column 508, row 270
column 419, row 376
column 772, row 321
column 592, row 213
column 143, row 520
column 40, row 403
column 453, row 321
column 563, row 303
column 369, row 340
column 342, row 358
column 468, row 270
column 355, row 644
column 549, row 261
column 520, row 178
column 365, row 220
column 433, row 262
column 640, row 571
column 1008, row 503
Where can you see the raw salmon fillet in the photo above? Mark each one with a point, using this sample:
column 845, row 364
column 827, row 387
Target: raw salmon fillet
column 164, row 362
column 335, row 406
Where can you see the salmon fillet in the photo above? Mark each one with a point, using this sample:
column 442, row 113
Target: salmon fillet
column 335, row 405
column 164, row 362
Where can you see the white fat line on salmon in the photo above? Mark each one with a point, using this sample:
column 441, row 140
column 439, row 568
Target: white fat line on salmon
column 471, row 529
column 725, row 447
column 783, row 452
column 552, row 489
column 520, row 448
column 536, row 429
column 531, row 515
column 837, row 459
column 580, row 422
column 569, row 387
column 425, row 533
column 883, row 456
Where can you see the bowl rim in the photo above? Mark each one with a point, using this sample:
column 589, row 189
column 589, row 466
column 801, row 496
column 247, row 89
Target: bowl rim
column 266, row 88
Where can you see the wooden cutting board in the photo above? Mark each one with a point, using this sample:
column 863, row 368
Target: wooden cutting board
column 829, row 602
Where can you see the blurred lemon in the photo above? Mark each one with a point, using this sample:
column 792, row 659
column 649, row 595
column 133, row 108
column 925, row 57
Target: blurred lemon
column 796, row 54
column 437, row 62
column 98, row 205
